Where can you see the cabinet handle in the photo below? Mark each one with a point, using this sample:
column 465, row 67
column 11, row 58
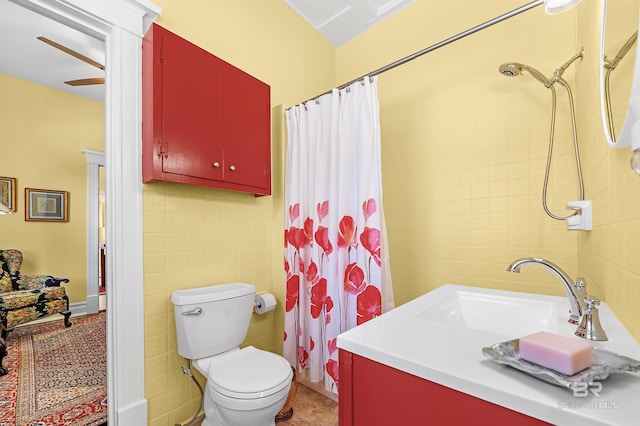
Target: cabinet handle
column 216, row 164
column 232, row 168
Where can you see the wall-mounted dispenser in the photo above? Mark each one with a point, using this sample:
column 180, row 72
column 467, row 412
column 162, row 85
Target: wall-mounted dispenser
column 581, row 220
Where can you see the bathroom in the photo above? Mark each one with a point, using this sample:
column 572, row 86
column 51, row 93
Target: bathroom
column 463, row 156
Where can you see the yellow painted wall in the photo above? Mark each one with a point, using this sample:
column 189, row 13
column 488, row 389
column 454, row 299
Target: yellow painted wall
column 42, row 134
column 195, row 236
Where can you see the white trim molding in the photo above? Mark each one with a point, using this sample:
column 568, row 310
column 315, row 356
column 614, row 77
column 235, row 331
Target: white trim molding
column 95, row 160
column 121, row 24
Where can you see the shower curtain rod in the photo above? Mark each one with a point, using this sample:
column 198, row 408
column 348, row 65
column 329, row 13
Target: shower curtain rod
column 436, row 46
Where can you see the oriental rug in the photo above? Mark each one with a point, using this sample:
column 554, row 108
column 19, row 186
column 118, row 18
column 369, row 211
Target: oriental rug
column 57, row 375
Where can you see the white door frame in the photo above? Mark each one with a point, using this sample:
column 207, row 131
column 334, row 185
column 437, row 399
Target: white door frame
column 121, row 24
column 95, row 160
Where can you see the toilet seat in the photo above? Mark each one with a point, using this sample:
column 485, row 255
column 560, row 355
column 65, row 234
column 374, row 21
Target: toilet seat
column 248, row 373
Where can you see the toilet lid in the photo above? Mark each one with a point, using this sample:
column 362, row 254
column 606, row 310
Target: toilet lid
column 249, row 373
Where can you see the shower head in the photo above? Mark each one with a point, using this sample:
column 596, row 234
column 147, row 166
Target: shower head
column 513, row 69
column 510, row 69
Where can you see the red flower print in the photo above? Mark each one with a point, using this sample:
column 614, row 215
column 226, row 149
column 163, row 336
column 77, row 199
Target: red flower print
column 307, row 235
column 294, row 237
column 369, row 305
column 327, row 317
column 347, row 232
column 285, row 336
column 370, row 239
column 328, row 302
column 293, row 288
column 294, row 212
column 332, row 369
column 286, row 238
column 322, row 238
column 368, row 208
column 318, row 296
column 312, row 272
column 354, row 279
column 287, row 268
column 323, row 210
column 303, row 356
column 332, row 345
column 312, row 344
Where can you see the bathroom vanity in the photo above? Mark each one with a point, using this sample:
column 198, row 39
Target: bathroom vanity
column 423, row 362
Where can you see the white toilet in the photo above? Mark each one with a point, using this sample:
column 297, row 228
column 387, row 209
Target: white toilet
column 246, row 386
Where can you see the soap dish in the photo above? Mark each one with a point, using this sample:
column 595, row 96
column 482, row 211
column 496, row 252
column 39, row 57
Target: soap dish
column 604, row 363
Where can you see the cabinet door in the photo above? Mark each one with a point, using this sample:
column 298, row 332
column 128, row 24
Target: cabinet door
column 192, row 109
column 247, row 129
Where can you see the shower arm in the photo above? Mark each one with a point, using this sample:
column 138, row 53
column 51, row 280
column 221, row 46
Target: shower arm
column 611, row 65
column 558, row 73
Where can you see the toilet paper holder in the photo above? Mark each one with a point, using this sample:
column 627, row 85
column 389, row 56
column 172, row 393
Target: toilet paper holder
column 264, row 303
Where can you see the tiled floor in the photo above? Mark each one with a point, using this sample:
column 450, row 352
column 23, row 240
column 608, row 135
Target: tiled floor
column 312, row 409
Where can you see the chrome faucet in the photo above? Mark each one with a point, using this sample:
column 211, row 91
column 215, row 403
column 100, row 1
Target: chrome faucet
column 584, row 308
column 575, row 292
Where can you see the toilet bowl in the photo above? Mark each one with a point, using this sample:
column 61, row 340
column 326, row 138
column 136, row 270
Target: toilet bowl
column 245, row 387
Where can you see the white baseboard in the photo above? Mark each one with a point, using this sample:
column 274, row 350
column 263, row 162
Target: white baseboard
column 132, row 414
column 78, row 308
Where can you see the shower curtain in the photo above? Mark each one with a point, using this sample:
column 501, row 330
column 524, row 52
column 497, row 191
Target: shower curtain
column 336, row 263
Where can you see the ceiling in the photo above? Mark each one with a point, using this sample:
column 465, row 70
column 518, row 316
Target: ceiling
column 341, row 20
column 26, row 57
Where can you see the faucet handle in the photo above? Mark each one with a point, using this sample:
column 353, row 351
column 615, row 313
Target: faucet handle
column 591, row 301
column 590, row 327
column 581, row 285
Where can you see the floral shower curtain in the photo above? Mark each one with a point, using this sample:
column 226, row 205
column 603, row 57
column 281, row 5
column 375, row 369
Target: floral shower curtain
column 336, row 264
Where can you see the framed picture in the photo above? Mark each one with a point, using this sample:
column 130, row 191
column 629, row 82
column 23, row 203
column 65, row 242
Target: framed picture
column 8, row 192
column 46, row 205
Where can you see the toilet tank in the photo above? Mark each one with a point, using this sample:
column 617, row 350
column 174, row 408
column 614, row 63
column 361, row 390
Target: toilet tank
column 211, row 320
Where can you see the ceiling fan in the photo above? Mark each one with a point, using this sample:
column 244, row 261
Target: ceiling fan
column 84, row 81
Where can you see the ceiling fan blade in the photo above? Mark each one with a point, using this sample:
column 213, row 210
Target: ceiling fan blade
column 85, row 81
column 71, row 52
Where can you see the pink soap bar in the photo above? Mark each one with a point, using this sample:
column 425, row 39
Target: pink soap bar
column 562, row 354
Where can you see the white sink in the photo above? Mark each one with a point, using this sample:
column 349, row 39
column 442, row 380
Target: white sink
column 439, row 337
column 505, row 313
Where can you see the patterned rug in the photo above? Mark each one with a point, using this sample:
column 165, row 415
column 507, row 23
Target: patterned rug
column 57, row 375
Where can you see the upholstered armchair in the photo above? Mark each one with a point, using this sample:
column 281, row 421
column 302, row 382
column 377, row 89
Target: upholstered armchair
column 25, row 298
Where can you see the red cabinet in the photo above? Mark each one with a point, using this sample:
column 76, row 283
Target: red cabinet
column 375, row 394
column 205, row 122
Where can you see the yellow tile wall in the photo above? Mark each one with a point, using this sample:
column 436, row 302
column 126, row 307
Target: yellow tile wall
column 464, row 148
column 608, row 256
column 195, row 236
column 464, row 153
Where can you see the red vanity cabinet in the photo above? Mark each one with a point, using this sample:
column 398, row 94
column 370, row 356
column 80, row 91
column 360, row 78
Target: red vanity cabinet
column 372, row 393
column 205, row 122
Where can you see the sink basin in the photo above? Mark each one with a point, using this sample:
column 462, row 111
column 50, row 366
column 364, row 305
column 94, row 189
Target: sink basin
column 439, row 337
column 494, row 311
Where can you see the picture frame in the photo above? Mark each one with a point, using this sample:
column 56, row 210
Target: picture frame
column 46, row 205
column 8, row 192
